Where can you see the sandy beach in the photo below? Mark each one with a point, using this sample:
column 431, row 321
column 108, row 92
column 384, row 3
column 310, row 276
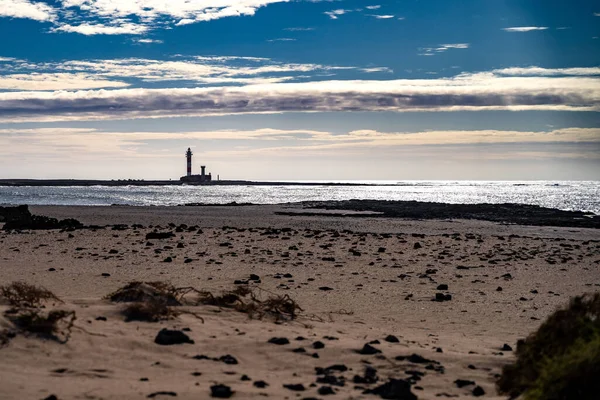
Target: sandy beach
column 358, row 278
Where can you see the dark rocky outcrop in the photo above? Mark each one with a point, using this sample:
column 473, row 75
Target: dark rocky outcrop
column 521, row 214
column 20, row 218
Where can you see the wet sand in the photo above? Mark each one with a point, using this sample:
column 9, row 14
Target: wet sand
column 357, row 279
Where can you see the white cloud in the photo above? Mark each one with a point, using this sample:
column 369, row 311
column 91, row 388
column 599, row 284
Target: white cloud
column 37, row 11
column 373, row 7
column 282, row 40
column 597, row 14
column 525, row 28
column 149, row 41
column 198, row 70
column 299, row 29
column 377, row 69
column 381, row 16
column 430, row 51
column 114, row 17
column 334, row 14
column 470, row 92
column 57, row 81
column 538, row 71
column 100, row 29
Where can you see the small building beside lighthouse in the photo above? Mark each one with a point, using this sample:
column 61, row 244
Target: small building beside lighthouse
column 194, row 179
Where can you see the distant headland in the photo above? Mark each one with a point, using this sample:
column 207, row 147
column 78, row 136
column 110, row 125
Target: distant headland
column 142, row 182
column 189, row 179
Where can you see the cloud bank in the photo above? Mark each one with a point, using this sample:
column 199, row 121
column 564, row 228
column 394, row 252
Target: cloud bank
column 472, row 92
column 133, row 17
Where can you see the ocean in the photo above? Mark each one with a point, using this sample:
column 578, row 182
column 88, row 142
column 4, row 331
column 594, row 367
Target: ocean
column 564, row 195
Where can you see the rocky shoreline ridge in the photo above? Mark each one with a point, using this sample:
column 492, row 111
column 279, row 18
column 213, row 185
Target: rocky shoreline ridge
column 19, row 217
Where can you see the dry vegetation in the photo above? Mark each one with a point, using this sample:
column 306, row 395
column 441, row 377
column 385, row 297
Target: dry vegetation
column 28, row 317
column 153, row 301
column 21, row 294
column 561, row 360
column 148, row 311
column 56, row 324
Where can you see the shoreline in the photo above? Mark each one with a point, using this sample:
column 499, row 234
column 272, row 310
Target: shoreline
column 512, row 214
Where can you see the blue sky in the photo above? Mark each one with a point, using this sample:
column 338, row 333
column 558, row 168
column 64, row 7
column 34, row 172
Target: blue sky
column 274, row 89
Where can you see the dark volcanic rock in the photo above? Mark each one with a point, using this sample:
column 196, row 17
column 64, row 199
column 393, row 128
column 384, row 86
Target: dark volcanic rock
column 159, row 235
column 279, row 340
column 460, row 383
column 163, row 393
column 478, row 391
column 168, row 337
column 392, row 339
column 20, row 218
column 261, row 384
column 369, row 377
column 227, row 359
column 221, row 391
column 368, row 350
column 325, row 390
column 395, row 389
column 440, row 297
column 506, row 347
column 297, row 387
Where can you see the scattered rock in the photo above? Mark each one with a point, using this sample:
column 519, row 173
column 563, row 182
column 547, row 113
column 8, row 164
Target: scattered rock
column 440, row 297
column 398, row 389
column 325, row 288
column 325, row 390
column 159, row 235
column 442, row 287
column 260, row 384
column 318, row 345
column 460, row 383
column 279, row 340
column 297, row 387
column 221, row 391
column 153, row 395
column 478, row 391
column 368, row 350
column 506, row 347
column 227, row 359
column 167, row 337
column 392, row 339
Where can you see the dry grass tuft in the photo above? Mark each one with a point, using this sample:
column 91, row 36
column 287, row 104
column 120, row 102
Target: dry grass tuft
column 148, row 311
column 21, row 294
column 246, row 300
column 145, row 292
column 152, row 302
column 56, row 324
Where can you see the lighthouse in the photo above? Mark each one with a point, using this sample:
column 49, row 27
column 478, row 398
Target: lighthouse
column 188, row 156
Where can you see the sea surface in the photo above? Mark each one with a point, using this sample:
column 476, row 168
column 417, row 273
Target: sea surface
column 565, row 195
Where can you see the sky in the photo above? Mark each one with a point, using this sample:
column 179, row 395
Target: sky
column 300, row 89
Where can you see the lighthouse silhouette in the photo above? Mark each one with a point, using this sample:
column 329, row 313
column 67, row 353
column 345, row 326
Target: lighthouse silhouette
column 188, row 156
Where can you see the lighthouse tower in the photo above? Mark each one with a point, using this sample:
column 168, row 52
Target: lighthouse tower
column 188, row 156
